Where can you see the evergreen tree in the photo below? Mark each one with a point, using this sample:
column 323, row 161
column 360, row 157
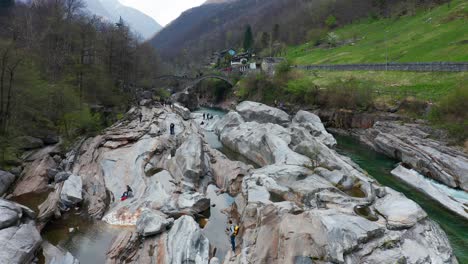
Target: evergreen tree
column 265, row 40
column 248, row 38
column 275, row 33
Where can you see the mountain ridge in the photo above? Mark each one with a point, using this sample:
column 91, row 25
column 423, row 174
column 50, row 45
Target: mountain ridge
column 112, row 10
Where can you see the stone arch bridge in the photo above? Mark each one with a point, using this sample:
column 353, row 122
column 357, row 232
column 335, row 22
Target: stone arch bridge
column 190, row 82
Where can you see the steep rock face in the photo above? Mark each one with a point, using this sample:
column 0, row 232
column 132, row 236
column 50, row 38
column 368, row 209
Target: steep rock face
column 34, row 177
column 184, row 243
column 187, row 235
column 260, row 113
column 19, row 238
column 411, row 145
column 188, row 164
column 226, row 173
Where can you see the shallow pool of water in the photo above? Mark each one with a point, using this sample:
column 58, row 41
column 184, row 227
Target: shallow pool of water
column 87, row 240
column 380, row 166
column 31, row 200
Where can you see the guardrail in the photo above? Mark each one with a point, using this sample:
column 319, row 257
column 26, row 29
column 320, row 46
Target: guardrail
column 414, row 66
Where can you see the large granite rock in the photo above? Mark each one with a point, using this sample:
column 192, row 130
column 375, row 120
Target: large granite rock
column 182, row 111
column 227, row 174
column 19, row 238
column 447, row 197
column 187, row 164
column 231, row 119
column 263, row 144
column 313, row 212
column 10, row 213
column 399, row 211
column 34, row 177
column 55, row 255
column 314, row 126
column 184, row 243
column 260, row 113
column 72, row 191
column 185, row 234
column 6, row 179
column 152, row 223
column 410, row 144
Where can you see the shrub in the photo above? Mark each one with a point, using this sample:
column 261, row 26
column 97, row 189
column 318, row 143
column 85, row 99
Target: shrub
column 349, row 94
column 450, row 113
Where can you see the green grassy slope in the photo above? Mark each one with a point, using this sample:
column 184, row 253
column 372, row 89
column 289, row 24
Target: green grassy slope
column 440, row 34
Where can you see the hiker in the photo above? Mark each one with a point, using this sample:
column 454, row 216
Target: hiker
column 204, row 116
column 172, row 130
column 140, row 116
column 129, row 192
column 233, row 230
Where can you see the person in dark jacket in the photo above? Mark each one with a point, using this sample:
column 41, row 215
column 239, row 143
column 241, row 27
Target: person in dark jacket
column 172, row 129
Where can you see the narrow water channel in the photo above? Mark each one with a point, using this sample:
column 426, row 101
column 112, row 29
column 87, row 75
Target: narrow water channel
column 379, row 167
column 215, row 227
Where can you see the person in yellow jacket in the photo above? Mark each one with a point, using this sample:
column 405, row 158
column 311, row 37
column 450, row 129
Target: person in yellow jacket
column 233, row 230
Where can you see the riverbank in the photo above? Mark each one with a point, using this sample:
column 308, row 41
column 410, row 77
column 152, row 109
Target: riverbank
column 380, row 166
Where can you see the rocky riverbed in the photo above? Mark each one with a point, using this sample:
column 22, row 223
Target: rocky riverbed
column 302, row 202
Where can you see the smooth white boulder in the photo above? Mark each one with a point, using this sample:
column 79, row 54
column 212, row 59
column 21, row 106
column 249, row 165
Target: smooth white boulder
column 400, row 212
column 261, row 113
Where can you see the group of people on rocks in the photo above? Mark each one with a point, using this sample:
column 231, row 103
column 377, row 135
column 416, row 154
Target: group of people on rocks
column 207, row 116
column 166, row 102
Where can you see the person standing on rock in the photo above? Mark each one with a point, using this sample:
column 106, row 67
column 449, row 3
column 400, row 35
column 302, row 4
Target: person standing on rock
column 233, row 230
column 172, row 129
column 129, row 192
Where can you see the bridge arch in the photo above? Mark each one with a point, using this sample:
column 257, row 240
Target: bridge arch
column 210, row 76
column 195, row 81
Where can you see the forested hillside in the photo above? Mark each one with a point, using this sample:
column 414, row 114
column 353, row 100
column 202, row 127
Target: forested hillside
column 63, row 72
column 278, row 23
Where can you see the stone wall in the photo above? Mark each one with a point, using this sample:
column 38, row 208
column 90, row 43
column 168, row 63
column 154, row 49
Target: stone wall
column 419, row 67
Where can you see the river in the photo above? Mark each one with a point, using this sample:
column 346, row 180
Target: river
column 379, row 167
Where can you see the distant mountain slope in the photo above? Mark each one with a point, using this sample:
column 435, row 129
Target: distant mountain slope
column 113, row 10
column 219, row 24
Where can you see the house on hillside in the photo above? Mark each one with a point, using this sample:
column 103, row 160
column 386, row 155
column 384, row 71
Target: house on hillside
column 241, row 58
column 269, row 64
column 218, row 57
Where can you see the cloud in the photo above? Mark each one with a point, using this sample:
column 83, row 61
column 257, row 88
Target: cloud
column 164, row 11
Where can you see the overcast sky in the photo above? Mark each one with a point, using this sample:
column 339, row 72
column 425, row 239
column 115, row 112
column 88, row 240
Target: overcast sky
column 163, row 11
